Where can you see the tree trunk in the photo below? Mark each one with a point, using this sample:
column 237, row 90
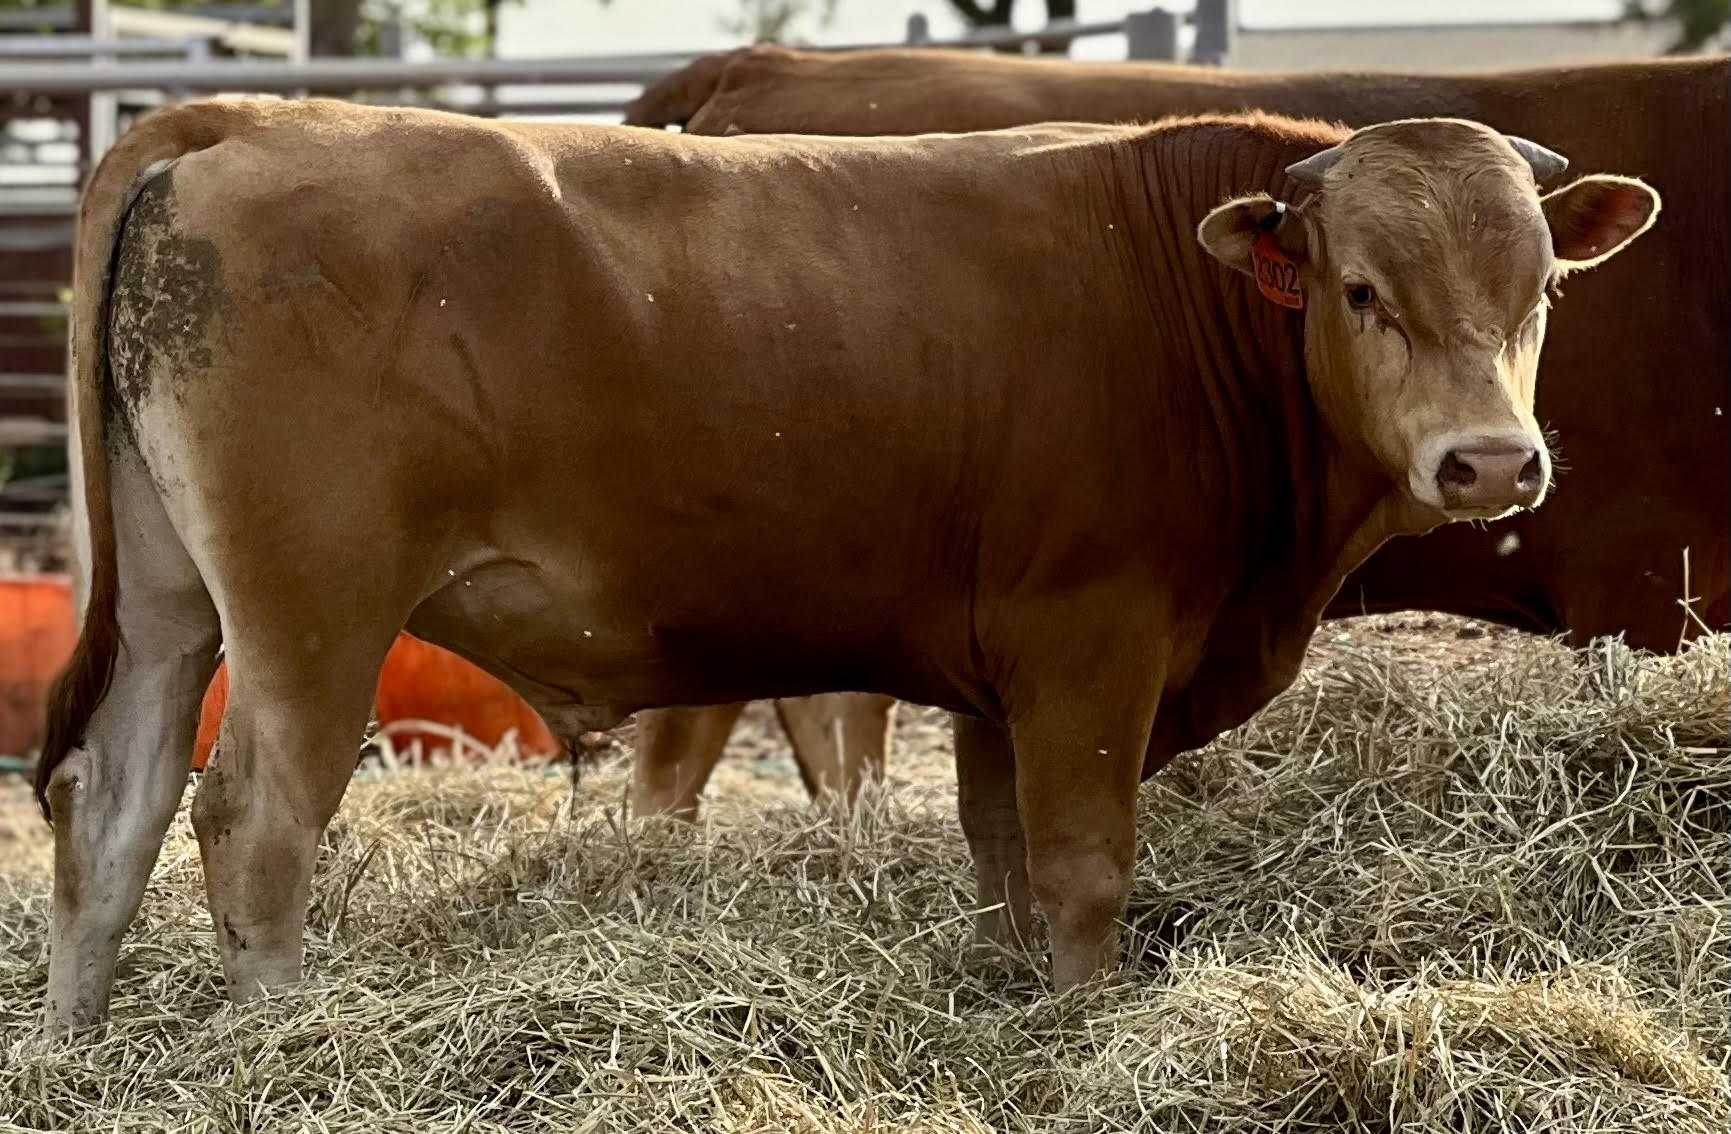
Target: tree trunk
column 996, row 14
column 335, row 26
column 1057, row 10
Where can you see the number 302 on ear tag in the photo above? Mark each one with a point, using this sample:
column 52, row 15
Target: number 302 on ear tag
column 1276, row 274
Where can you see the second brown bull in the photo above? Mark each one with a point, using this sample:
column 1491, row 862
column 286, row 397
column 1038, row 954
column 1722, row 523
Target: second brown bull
column 1635, row 384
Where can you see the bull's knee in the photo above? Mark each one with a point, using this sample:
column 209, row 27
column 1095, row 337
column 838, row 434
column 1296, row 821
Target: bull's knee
column 1083, row 896
column 258, row 857
column 218, row 806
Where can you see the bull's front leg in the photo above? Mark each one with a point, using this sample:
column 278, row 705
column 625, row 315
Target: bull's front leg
column 1078, row 754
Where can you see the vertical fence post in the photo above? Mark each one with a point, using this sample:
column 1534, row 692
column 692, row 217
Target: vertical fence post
column 104, row 106
column 1152, row 35
column 301, row 24
column 919, row 30
column 197, row 50
column 302, row 49
column 490, row 91
column 1216, row 23
column 83, row 20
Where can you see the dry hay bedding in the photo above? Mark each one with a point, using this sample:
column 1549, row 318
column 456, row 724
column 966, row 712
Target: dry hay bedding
column 1421, row 892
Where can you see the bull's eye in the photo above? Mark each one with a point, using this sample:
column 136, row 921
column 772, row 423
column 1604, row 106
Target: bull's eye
column 1360, row 296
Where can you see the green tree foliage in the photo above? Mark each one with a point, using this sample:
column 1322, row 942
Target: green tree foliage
column 451, row 27
column 1698, row 21
column 774, row 21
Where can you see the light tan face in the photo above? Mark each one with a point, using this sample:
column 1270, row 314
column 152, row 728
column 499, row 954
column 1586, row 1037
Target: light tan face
column 1425, row 263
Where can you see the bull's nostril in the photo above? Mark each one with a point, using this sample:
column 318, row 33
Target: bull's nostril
column 1455, row 473
column 1531, row 474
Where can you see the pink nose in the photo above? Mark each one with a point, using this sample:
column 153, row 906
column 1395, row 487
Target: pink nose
column 1495, row 474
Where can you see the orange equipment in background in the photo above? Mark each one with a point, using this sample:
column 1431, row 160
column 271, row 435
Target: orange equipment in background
column 419, row 682
column 37, row 633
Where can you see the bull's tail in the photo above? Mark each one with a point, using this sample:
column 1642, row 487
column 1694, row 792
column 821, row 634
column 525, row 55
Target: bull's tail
column 674, row 98
column 143, row 152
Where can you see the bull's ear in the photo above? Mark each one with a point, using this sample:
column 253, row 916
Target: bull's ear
column 1231, row 231
column 1594, row 217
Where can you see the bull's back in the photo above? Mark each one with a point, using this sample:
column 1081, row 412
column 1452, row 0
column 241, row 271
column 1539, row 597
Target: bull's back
column 619, row 380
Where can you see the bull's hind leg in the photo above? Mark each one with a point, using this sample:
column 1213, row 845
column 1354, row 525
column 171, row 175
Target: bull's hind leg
column 112, row 797
column 986, row 799
column 309, row 608
column 301, row 691
column 290, row 734
column 838, row 739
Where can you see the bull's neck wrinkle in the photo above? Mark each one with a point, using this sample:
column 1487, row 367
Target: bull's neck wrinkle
column 1231, row 364
column 1225, row 378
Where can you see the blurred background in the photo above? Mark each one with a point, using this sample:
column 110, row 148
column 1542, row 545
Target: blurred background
column 74, row 73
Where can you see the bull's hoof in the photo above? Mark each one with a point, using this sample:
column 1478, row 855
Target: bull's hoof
column 66, row 1029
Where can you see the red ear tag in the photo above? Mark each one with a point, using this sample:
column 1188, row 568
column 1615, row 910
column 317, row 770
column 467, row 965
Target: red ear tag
column 1276, row 274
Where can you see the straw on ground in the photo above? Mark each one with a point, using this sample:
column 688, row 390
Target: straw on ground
column 1486, row 894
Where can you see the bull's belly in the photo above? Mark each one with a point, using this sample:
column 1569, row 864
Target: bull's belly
column 587, row 650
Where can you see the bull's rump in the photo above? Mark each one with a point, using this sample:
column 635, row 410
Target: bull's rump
column 646, row 419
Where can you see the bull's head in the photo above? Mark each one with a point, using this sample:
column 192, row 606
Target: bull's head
column 1424, row 260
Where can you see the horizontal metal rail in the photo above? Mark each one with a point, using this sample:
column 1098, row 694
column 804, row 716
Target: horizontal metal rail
column 501, row 108
column 27, row 431
column 29, row 521
column 33, row 383
column 84, row 46
column 327, row 74
column 63, row 15
column 30, row 309
column 38, row 200
column 37, row 238
column 1059, row 30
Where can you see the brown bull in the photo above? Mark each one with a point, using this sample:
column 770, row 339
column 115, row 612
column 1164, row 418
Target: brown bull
column 590, row 384
column 1635, row 391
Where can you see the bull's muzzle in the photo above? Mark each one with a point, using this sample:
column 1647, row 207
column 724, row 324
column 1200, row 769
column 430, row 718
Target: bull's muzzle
column 1492, row 475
